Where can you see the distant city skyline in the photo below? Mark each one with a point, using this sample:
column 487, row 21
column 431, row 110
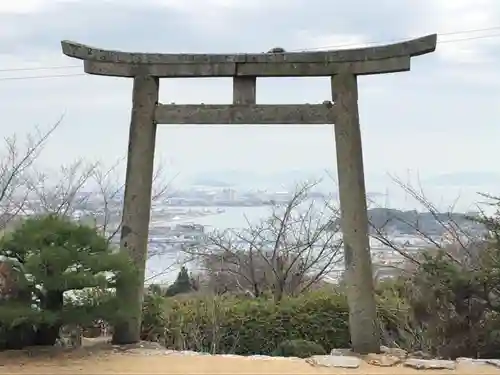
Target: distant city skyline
column 457, row 191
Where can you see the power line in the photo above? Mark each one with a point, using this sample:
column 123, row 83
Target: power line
column 302, row 50
column 470, row 38
column 40, row 68
column 37, row 77
column 469, row 31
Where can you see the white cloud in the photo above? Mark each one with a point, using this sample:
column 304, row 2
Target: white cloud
column 22, row 6
column 200, row 6
column 12, row 65
column 456, row 21
column 313, row 41
column 219, row 15
column 28, row 6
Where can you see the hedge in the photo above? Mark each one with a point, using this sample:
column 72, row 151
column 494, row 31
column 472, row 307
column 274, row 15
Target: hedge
column 254, row 326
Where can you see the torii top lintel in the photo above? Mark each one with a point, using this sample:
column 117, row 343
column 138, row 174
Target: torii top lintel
column 371, row 60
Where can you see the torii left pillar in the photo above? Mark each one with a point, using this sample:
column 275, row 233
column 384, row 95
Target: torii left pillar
column 137, row 201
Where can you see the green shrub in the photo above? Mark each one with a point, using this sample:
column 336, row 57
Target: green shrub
column 298, row 348
column 454, row 306
column 49, row 256
column 153, row 318
column 255, row 326
column 448, row 305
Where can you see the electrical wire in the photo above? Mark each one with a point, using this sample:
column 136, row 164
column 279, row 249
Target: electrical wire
column 470, row 31
column 44, row 76
column 40, row 68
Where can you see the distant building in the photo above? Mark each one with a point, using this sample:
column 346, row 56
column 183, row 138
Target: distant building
column 228, row 194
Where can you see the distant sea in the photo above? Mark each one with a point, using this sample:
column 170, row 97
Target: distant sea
column 166, row 266
column 232, row 217
column 445, row 199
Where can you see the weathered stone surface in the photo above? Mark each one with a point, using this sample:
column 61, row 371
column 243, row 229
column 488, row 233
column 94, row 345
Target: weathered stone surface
column 152, row 349
column 267, row 357
column 137, row 202
column 364, row 328
column 471, row 361
column 285, row 69
column 190, row 352
column 372, row 60
column 246, row 114
column 430, row 364
column 382, row 360
column 342, row 65
column 494, row 362
column 342, row 352
column 397, row 352
column 334, row 361
column 414, row 47
column 420, row 355
column 244, row 90
column 141, row 345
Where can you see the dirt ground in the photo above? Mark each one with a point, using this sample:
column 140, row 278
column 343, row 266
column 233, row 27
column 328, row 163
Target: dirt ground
column 174, row 364
column 105, row 360
column 179, row 364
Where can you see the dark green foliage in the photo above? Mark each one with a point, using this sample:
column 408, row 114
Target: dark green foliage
column 298, row 348
column 153, row 318
column 49, row 256
column 445, row 308
column 183, row 284
column 155, row 289
column 255, row 326
column 449, row 305
column 453, row 309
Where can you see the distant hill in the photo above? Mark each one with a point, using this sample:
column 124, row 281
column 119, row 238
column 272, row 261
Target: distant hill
column 406, row 222
column 210, row 182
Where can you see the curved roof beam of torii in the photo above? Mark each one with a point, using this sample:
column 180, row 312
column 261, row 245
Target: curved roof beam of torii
column 369, row 60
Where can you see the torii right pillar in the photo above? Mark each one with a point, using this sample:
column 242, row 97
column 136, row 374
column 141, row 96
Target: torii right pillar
column 363, row 322
column 353, row 213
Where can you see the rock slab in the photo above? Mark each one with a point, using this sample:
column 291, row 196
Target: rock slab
column 472, row 361
column 342, row 352
column 382, row 360
column 397, row 352
column 430, row 364
column 334, row 361
column 494, row 362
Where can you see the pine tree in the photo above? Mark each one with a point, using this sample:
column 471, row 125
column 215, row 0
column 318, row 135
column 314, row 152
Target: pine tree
column 52, row 255
column 183, row 283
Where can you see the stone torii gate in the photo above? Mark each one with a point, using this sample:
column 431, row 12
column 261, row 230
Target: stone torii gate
column 343, row 66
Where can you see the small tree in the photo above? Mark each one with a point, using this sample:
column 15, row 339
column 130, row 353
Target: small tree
column 294, row 249
column 16, row 162
column 449, row 289
column 183, row 284
column 50, row 256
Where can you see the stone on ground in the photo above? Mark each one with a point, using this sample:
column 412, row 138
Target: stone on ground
column 334, row 361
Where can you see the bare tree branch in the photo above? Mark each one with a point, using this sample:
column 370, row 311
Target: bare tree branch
column 15, row 162
column 457, row 242
column 292, row 250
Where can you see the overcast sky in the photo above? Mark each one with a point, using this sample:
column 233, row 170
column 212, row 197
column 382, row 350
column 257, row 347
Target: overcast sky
column 441, row 117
